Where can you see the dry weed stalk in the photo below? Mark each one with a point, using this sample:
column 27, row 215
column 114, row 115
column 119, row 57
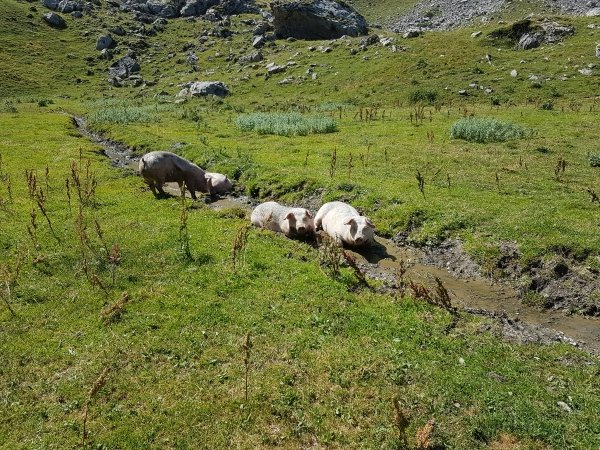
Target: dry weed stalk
column 246, row 348
column 238, row 253
column 358, row 273
column 112, row 313
column 333, row 163
column 421, row 182
column 329, row 254
column 32, row 229
column 423, row 436
column 98, row 384
column 595, row 198
column 559, row 169
column 31, row 183
column 85, row 182
column 10, row 277
column 41, row 203
column 184, row 235
column 68, row 191
column 401, row 420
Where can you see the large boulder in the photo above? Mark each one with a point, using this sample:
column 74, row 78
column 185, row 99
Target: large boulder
column 316, row 19
column 125, row 67
column 54, row 20
column 204, row 88
column 50, row 4
column 527, row 34
column 68, row 6
column 105, row 41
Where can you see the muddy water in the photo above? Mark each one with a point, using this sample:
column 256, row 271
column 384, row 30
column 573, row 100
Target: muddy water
column 384, row 260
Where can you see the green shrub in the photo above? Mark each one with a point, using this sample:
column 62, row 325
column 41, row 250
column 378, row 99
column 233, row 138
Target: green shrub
column 486, row 130
column 426, row 96
column 123, row 115
column 594, row 159
column 285, row 124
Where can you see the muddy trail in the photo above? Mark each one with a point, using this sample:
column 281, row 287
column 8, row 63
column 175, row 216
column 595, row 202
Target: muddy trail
column 389, row 264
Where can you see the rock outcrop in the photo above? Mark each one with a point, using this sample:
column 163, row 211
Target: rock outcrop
column 186, row 8
column 319, row 19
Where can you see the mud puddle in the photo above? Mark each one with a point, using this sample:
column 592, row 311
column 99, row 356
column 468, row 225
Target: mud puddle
column 520, row 323
column 383, row 261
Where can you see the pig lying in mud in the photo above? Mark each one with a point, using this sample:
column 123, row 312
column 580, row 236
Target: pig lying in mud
column 219, row 183
column 293, row 222
column 343, row 223
column 157, row 168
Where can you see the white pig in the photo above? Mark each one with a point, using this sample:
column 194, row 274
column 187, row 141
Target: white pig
column 289, row 221
column 219, row 183
column 157, row 168
column 343, row 223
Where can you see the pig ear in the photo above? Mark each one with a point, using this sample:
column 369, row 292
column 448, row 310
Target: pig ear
column 349, row 221
column 369, row 223
column 308, row 214
column 289, row 216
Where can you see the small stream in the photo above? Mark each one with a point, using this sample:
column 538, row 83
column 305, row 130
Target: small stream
column 384, row 260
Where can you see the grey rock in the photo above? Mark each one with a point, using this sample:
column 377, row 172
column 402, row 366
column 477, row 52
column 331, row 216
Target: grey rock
column 514, row 73
column 476, row 34
column 50, row 4
column 273, row 68
column 530, row 40
column 463, row 92
column 597, row 50
column 204, row 88
column 372, row 39
column 594, row 12
column 251, row 58
column 411, row 34
column 585, row 71
column 319, row 19
column 259, row 41
column 118, row 30
column 77, row 14
column 197, row 7
column 105, row 41
column 124, row 67
column 564, row 406
column 261, row 28
column 68, row 6
column 54, row 20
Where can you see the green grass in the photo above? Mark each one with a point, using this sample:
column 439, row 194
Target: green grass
column 328, row 358
column 484, row 130
column 285, row 124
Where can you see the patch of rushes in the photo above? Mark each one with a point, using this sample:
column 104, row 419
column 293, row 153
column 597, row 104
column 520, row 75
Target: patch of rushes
column 122, row 112
column 285, row 124
column 486, row 129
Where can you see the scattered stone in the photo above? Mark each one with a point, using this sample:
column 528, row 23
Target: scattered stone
column 50, row 4
column 411, row 34
column 259, row 41
column 530, row 40
column 76, row 14
column 463, row 92
column 105, row 41
column 476, row 34
column 251, row 58
column 585, row 71
column 385, row 41
column 125, row 67
column 118, row 30
column 318, row 19
column 597, row 50
column 273, row 68
column 372, row 39
column 261, row 28
column 564, row 406
column 288, row 80
column 514, row 73
column 54, row 20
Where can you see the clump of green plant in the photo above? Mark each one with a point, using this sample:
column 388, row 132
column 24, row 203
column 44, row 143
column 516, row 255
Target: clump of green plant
column 423, row 96
column 594, row 159
column 124, row 115
column 285, row 124
column 486, row 129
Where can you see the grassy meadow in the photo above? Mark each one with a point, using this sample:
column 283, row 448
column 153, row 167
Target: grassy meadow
column 132, row 322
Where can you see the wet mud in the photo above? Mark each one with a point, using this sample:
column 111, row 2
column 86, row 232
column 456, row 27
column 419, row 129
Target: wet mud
column 388, row 262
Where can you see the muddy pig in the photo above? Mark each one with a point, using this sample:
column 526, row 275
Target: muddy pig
column 290, row 221
column 343, row 223
column 219, row 183
column 157, row 168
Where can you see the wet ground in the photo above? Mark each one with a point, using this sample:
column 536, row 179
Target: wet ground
column 385, row 261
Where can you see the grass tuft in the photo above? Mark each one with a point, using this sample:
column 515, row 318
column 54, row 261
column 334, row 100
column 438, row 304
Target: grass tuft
column 485, row 129
column 285, row 124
